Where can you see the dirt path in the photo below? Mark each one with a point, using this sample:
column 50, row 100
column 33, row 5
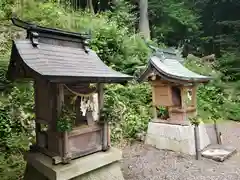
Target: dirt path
column 141, row 162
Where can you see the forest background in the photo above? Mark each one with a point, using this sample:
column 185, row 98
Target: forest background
column 206, row 31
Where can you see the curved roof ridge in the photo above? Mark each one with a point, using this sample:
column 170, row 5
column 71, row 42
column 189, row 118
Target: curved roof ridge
column 172, row 70
column 54, row 61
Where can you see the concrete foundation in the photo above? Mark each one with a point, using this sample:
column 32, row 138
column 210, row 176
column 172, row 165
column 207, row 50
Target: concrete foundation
column 98, row 166
column 179, row 138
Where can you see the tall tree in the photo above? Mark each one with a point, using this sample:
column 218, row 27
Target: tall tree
column 90, row 6
column 144, row 21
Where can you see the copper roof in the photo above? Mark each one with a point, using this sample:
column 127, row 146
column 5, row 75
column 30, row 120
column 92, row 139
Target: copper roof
column 167, row 65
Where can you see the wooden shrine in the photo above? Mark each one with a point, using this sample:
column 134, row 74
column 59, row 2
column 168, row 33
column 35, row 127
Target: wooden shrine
column 68, row 86
column 173, row 87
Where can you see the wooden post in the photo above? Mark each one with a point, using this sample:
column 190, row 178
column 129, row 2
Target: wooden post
column 37, row 125
column 183, row 104
column 105, row 140
column 194, row 96
column 66, row 155
column 54, row 105
column 196, row 136
column 217, row 133
column 154, row 109
column 60, row 103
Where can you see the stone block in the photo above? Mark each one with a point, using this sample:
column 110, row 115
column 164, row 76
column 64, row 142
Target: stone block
column 204, row 139
column 161, row 143
column 101, row 165
column 174, row 145
column 151, row 140
column 218, row 152
column 109, row 172
column 176, row 137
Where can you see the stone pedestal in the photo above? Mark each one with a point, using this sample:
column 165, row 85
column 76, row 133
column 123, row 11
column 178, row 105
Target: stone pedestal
column 179, row 138
column 98, row 166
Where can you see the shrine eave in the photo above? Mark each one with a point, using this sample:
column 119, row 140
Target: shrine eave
column 173, row 71
column 59, row 64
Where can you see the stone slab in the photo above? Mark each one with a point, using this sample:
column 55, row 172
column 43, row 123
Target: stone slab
column 109, row 172
column 78, row 169
column 218, row 152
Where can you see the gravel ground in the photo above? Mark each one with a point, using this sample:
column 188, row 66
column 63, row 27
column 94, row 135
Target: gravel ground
column 142, row 162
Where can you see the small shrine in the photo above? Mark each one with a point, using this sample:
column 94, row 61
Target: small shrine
column 173, row 87
column 68, row 87
column 174, row 101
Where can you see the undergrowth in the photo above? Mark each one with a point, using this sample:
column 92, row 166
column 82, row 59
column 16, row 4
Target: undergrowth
column 127, row 107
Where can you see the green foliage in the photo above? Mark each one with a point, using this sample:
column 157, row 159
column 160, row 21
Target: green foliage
column 12, row 166
column 162, row 113
column 16, row 111
column 170, row 24
column 195, row 120
column 65, row 120
column 215, row 100
column 127, row 108
column 229, row 65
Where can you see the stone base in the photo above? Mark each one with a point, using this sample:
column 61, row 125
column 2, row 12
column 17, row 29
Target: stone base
column 219, row 152
column 179, row 138
column 98, row 166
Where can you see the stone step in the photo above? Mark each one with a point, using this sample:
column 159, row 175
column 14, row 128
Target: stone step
column 218, row 152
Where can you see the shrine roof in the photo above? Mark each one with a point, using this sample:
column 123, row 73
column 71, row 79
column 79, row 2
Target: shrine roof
column 58, row 55
column 167, row 65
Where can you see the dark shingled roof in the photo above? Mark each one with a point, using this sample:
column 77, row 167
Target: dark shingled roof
column 167, row 65
column 53, row 60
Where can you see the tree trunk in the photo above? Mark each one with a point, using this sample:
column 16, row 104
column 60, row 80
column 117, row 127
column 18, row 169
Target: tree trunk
column 90, row 6
column 144, row 22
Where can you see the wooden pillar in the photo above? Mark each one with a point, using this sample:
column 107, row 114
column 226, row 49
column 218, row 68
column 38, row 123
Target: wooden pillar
column 60, row 103
column 194, row 96
column 154, row 109
column 37, row 125
column 183, row 104
column 105, row 134
column 183, row 95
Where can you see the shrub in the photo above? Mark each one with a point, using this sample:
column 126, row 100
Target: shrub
column 127, row 108
column 216, row 100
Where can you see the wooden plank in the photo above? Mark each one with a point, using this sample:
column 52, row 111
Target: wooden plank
column 83, row 130
column 161, row 90
column 84, row 142
column 162, row 101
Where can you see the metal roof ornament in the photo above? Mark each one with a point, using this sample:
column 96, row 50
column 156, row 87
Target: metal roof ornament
column 34, row 38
